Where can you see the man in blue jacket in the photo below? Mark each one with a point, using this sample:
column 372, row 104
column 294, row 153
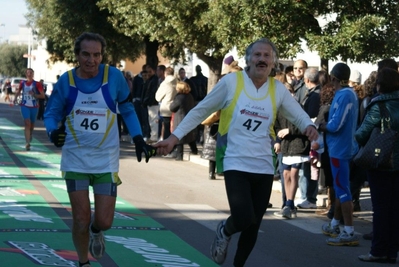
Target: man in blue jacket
column 340, row 129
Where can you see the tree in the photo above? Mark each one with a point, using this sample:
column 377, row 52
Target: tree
column 175, row 25
column 357, row 30
column 211, row 28
column 61, row 22
column 12, row 62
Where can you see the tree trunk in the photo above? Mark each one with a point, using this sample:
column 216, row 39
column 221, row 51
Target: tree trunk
column 151, row 49
column 215, row 66
column 324, row 64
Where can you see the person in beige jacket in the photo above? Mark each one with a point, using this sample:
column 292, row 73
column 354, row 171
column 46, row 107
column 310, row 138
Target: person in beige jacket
column 165, row 95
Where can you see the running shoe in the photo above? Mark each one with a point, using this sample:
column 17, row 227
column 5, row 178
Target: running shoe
column 343, row 239
column 330, row 231
column 371, row 258
column 279, row 213
column 307, row 205
column 286, row 212
column 97, row 243
column 220, row 245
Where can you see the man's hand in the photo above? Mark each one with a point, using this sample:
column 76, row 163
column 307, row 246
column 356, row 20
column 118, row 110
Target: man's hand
column 277, row 148
column 58, row 136
column 322, row 127
column 282, row 133
column 142, row 147
column 164, row 147
column 311, row 133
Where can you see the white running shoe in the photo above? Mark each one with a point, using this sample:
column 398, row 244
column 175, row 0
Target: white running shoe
column 220, row 245
column 97, row 243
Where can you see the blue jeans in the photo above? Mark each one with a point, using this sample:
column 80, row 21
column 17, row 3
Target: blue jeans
column 307, row 186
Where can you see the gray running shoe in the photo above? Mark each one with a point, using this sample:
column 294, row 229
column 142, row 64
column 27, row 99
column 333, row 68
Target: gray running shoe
column 279, row 213
column 96, row 244
column 220, row 245
column 330, row 231
column 343, row 239
column 286, row 212
column 293, row 213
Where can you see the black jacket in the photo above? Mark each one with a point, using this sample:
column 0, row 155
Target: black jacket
column 201, row 84
column 294, row 143
column 193, row 88
column 311, row 102
column 181, row 105
column 149, row 91
column 300, row 91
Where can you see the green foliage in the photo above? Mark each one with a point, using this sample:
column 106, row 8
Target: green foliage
column 12, row 62
column 175, row 25
column 357, row 30
column 61, row 22
column 283, row 22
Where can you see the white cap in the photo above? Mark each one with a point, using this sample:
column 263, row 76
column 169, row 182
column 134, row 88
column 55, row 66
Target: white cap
column 355, row 77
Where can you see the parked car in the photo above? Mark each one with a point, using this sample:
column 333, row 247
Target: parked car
column 15, row 81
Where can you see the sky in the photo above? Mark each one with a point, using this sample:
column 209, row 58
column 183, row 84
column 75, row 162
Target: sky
column 11, row 15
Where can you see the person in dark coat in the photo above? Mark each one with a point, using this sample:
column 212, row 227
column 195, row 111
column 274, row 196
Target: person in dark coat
column 295, row 148
column 384, row 183
column 181, row 105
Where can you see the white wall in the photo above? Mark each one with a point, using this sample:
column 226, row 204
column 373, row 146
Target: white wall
column 42, row 69
column 313, row 59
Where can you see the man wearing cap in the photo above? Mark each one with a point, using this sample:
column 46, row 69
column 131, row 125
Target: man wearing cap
column 226, row 65
column 355, row 78
column 340, row 130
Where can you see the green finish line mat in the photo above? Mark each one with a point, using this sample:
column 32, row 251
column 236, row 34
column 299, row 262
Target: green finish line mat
column 35, row 210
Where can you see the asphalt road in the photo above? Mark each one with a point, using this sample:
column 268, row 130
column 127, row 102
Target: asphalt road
column 179, row 196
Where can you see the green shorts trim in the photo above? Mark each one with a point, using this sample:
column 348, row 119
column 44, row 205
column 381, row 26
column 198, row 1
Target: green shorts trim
column 94, row 178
